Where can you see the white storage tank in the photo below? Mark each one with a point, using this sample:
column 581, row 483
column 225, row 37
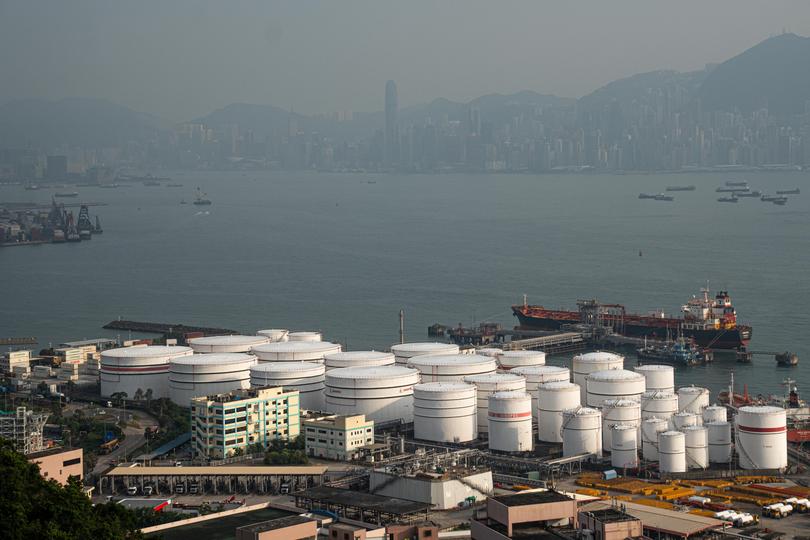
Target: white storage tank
column 306, row 377
column 129, row 369
column 382, row 393
column 582, row 432
column 612, row 384
column 537, row 375
column 719, row 441
column 761, row 433
column 671, row 452
column 658, row 404
column 510, row 421
column 715, row 413
column 489, row 351
column 659, row 377
column 696, row 442
column 624, row 446
column 404, row 351
column 684, row 419
column 552, row 399
column 226, row 344
column 275, row 334
column 513, row 359
column 451, row 367
column 587, row 363
column 618, row 411
column 295, row 351
column 650, row 428
column 358, row 359
column 305, row 336
column 208, row 374
column 489, row 383
column 693, row 399
column 445, row 412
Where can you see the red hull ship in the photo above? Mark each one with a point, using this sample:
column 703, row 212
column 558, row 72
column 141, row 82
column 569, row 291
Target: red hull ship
column 711, row 323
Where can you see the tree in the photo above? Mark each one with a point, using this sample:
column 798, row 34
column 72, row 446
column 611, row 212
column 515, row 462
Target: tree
column 138, row 395
column 148, row 396
column 37, row 508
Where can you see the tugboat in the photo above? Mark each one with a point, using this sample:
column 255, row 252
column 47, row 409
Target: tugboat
column 681, row 352
column 733, row 198
column 731, row 189
column 681, row 188
column 787, row 359
column 737, row 183
column 662, row 197
column 200, row 199
column 794, row 191
column 754, row 193
column 780, row 201
column 646, row 196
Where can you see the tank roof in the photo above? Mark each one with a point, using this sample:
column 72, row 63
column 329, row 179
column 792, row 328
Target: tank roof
column 451, row 360
column 598, row 356
column 423, row 346
column 620, row 402
column 494, row 377
column 214, row 358
column 761, row 409
column 371, row 372
column 358, row 355
column 654, row 367
column 229, row 340
column 538, row 370
column 693, row 428
column 693, row 390
column 511, row 394
column 624, row 427
column 671, row 433
column 287, row 367
column 615, row 375
column 147, row 351
column 658, row 394
column 443, row 386
column 294, row 347
column 523, row 354
column 557, row 385
column 583, row 411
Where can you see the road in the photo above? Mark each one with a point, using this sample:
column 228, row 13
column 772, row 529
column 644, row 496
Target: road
column 133, row 440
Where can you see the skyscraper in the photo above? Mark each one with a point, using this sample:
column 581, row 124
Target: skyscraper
column 391, row 128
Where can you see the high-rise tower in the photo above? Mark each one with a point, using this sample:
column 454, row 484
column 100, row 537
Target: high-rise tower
column 391, row 127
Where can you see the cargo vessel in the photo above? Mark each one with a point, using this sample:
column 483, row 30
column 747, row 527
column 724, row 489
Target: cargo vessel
column 711, row 323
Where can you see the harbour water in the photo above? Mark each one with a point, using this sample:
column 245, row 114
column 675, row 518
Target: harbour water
column 343, row 253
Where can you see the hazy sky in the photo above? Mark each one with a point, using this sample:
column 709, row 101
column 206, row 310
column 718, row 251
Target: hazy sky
column 180, row 58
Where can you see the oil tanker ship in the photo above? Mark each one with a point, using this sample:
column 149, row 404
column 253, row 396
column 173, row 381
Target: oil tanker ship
column 711, row 323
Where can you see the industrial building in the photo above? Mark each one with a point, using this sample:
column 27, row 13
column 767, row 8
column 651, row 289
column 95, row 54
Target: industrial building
column 659, row 522
column 283, row 528
column 443, row 489
column 24, row 429
column 366, row 507
column 13, row 359
column 224, row 422
column 611, row 524
column 524, row 515
column 59, row 464
column 336, row 437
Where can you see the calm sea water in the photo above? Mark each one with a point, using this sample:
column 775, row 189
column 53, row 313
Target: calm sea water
column 343, row 253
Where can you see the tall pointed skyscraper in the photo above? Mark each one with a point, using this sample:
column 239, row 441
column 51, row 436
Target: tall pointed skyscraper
column 391, row 127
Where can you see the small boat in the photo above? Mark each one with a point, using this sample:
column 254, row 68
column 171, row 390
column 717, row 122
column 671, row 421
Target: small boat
column 646, row 196
column 731, row 199
column 794, row 191
column 731, row 189
column 681, row 188
column 770, row 198
column 754, row 193
column 31, row 187
column 681, row 352
column 787, row 359
column 201, row 199
column 736, row 183
column 662, row 197
column 780, row 201
column 66, row 194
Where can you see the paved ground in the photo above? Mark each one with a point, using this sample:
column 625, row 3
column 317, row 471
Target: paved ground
column 133, row 440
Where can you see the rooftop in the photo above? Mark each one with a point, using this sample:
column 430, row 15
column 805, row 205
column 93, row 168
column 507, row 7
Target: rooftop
column 274, row 524
column 367, row 501
column 532, row 497
column 611, row 515
column 84, row 342
column 246, row 393
column 50, row 452
column 659, row 519
column 302, row 470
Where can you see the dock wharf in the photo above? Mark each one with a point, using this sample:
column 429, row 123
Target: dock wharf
column 18, row 341
column 175, row 329
column 550, row 344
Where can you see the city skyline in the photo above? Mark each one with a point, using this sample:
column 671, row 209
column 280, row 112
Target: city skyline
column 281, row 54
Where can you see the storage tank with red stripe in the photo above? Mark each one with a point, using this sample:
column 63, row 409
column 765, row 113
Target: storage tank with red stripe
column 510, row 421
column 761, row 437
column 129, row 369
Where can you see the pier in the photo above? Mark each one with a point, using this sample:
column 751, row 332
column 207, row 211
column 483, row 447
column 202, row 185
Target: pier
column 165, row 328
column 18, row 341
column 551, row 344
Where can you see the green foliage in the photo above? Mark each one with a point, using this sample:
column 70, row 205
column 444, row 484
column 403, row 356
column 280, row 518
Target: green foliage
column 173, row 420
column 286, row 457
column 146, row 517
column 88, row 432
column 35, row 508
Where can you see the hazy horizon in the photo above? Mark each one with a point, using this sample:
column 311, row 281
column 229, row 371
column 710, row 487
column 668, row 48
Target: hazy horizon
column 319, row 57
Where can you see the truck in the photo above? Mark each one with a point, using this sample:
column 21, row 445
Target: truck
column 108, row 446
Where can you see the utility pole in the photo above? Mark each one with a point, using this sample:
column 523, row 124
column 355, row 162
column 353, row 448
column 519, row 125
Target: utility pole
column 402, row 326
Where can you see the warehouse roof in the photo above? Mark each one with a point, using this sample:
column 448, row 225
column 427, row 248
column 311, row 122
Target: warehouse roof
column 312, row 470
column 367, row 501
column 681, row 524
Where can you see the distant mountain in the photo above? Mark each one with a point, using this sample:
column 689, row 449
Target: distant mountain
column 637, row 88
column 261, row 119
column 773, row 74
column 74, row 121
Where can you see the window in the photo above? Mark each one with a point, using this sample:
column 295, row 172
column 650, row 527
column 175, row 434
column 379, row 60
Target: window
column 73, row 461
column 334, row 534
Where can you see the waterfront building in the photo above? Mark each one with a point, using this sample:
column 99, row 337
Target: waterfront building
column 223, row 423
